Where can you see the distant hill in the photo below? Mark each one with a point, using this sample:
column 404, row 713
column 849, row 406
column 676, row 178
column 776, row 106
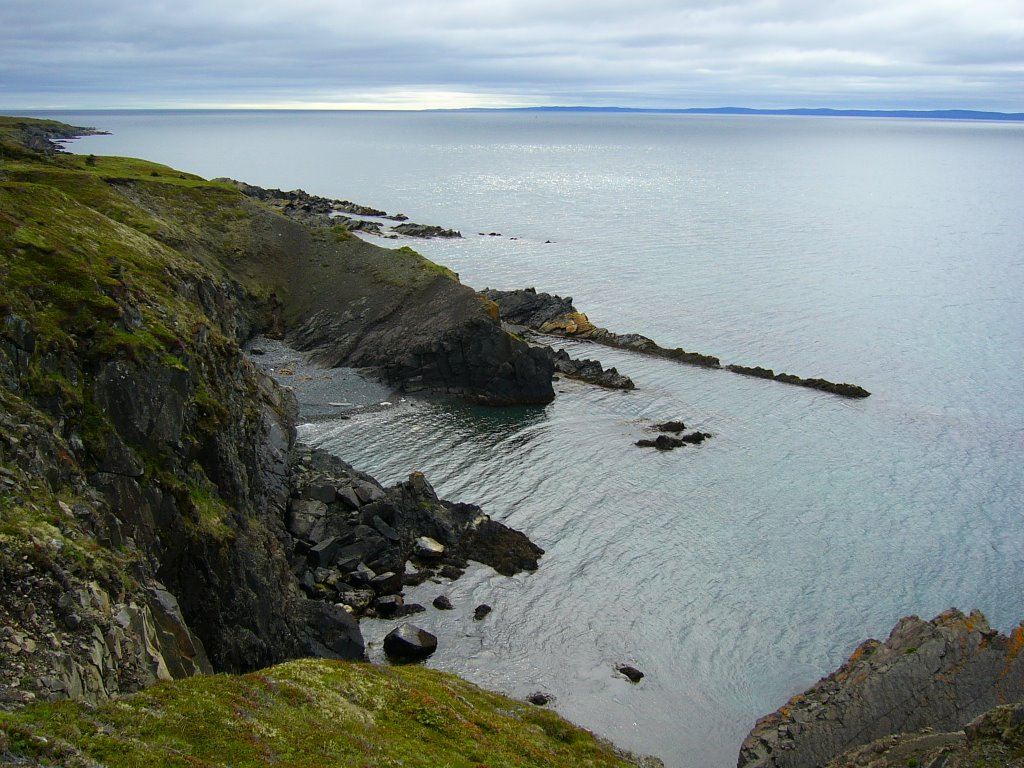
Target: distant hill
column 936, row 114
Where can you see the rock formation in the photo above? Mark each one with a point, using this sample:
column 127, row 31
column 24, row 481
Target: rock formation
column 938, row 674
column 556, row 316
column 155, row 509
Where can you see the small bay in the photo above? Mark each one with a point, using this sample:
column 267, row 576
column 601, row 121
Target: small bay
column 886, row 253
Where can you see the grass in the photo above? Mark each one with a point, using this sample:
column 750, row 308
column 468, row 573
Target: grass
column 307, row 713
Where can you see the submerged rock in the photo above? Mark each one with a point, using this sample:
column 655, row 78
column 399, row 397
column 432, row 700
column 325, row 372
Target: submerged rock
column 632, row 673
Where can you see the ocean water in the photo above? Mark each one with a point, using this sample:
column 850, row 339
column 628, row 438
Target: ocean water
column 886, row 253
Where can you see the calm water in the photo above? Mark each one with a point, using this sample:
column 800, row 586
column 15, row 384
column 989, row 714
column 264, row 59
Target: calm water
column 885, row 253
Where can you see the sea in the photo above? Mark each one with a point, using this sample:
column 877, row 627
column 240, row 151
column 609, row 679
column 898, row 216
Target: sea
column 887, row 253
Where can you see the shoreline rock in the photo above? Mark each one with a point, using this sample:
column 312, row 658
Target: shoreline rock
column 937, row 674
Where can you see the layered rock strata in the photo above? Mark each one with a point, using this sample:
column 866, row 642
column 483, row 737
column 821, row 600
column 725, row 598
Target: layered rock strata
column 938, row 674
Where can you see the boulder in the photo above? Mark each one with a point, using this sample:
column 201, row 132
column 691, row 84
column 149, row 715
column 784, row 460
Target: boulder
column 661, row 442
column 481, row 611
column 428, row 548
column 408, row 642
column 634, row 674
column 442, row 603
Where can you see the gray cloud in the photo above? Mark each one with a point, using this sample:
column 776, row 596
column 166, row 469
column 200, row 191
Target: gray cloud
column 768, row 53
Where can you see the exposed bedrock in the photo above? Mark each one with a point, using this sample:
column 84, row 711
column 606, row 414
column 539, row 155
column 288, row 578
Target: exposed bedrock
column 937, row 674
column 556, row 316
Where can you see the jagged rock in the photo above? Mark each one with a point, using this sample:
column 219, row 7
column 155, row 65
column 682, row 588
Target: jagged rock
column 845, row 390
column 408, row 642
column 591, row 371
column 939, row 674
column 670, row 426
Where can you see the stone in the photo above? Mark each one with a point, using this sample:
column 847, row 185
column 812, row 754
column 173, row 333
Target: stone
column 539, row 699
column 386, row 583
column 303, row 516
column 661, row 442
column 322, row 492
column 428, row 548
column 361, row 575
column 325, row 554
column 634, row 674
column 385, row 530
column 388, row 606
column 670, row 426
column 442, row 603
column 481, row 611
column 408, row 642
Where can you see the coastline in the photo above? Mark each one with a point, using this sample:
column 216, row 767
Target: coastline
column 346, row 398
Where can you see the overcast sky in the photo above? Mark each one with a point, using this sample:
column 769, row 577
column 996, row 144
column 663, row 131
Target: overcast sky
column 919, row 54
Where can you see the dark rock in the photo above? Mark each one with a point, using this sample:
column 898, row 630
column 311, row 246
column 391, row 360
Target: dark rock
column 385, row 530
column 481, row 611
column 386, row 583
column 408, row 609
column 695, row 438
column 408, row 643
column 388, row 606
column 662, row 443
column 415, row 578
column 670, row 426
column 505, row 549
column 442, row 603
column 844, row 390
column 590, row 371
column 539, row 699
column 322, row 492
column 358, row 600
column 325, row 553
column 451, row 572
column 634, row 674
column 361, row 575
column 424, row 231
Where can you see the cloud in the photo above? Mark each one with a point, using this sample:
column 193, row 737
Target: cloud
column 867, row 53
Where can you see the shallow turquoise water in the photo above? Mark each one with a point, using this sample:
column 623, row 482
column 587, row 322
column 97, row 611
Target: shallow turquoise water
column 886, row 253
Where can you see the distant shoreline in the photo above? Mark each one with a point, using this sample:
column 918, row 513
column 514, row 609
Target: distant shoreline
column 935, row 114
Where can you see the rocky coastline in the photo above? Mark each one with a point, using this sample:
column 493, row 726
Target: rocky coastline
column 159, row 521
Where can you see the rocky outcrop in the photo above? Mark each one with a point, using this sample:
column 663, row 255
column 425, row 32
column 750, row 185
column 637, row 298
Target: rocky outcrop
column 351, row 537
column 146, row 464
column 424, row 230
column 937, row 674
column 844, row 390
column 555, row 315
column 591, row 371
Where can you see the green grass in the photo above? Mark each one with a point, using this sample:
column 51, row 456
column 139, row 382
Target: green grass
column 307, row 713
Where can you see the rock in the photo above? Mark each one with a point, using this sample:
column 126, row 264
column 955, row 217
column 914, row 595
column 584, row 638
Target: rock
column 451, row 572
column 386, row 583
column 427, row 547
column 388, row 606
column 939, row 674
column 442, row 603
column 325, row 554
column 361, row 575
column 661, row 442
column 695, row 438
column 590, row 371
column 670, row 426
column 408, row 642
column 634, row 674
column 424, row 231
column 481, row 611
column 539, row 699
column 844, row 390
column 505, row 549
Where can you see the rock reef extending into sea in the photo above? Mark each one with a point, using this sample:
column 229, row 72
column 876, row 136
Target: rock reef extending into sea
column 556, row 316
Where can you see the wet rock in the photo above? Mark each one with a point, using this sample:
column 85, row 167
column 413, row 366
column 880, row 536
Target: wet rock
column 408, row 642
column 590, row 371
column 451, row 572
column 424, row 231
column 696, row 438
column 442, row 603
column 632, row 673
column 481, row 611
column 670, row 426
column 661, row 442
column 539, row 699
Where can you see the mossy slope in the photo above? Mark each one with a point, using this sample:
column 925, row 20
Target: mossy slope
column 306, row 713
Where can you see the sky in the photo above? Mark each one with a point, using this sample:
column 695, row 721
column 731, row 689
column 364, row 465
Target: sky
column 416, row 54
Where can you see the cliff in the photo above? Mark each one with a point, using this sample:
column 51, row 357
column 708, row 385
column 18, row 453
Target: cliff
column 147, row 469
column 938, row 675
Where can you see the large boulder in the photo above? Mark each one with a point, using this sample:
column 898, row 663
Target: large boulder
column 408, row 642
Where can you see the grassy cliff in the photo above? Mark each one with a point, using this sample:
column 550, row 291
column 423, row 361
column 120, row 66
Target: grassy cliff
column 305, row 713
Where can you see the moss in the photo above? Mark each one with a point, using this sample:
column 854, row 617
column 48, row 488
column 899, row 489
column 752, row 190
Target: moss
column 310, row 713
